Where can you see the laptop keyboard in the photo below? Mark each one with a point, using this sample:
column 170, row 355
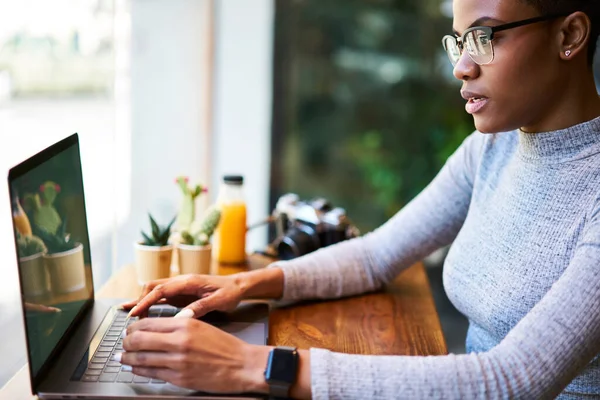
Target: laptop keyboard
column 102, row 369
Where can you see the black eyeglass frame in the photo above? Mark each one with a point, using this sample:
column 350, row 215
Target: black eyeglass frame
column 489, row 31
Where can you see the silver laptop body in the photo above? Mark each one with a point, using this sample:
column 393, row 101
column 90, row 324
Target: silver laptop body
column 69, row 352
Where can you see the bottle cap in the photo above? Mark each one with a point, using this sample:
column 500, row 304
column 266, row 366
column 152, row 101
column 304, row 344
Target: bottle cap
column 233, row 179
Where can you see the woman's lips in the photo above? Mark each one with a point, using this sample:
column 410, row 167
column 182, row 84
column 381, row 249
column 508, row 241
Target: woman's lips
column 475, row 101
column 474, row 105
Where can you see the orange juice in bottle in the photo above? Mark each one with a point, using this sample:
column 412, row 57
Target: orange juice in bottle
column 230, row 237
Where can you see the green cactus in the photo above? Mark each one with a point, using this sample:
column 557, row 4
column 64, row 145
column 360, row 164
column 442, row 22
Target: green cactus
column 29, row 245
column 187, row 212
column 160, row 235
column 207, row 227
column 57, row 242
column 44, row 213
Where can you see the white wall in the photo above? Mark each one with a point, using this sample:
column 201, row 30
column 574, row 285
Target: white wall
column 243, row 98
column 169, row 82
column 168, row 109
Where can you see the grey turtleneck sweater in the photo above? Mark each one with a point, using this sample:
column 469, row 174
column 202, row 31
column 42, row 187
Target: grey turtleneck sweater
column 523, row 213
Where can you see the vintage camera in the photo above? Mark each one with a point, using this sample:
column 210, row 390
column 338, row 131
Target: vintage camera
column 306, row 226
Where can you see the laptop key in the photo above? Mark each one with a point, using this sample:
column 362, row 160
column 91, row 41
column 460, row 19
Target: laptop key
column 99, row 360
column 140, row 379
column 113, row 364
column 102, row 354
column 95, row 366
column 154, row 380
column 93, row 372
column 90, row 378
column 125, row 377
column 112, row 369
column 107, row 377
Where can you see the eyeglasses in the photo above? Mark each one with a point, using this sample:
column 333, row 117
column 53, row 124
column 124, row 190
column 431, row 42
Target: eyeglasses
column 478, row 40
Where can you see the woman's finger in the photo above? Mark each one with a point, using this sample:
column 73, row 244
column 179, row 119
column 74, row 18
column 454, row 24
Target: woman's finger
column 147, row 288
column 141, row 340
column 158, row 292
column 152, row 359
column 203, row 306
column 164, row 374
column 163, row 325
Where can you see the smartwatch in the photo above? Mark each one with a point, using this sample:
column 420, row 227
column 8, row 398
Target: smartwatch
column 281, row 371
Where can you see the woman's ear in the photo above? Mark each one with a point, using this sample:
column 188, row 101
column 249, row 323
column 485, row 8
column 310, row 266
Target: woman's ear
column 574, row 35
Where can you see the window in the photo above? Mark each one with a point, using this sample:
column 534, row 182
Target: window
column 369, row 108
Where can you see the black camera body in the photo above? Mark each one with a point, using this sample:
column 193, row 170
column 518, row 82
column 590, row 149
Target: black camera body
column 305, row 226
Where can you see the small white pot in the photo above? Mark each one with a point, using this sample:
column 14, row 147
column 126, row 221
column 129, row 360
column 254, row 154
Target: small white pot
column 66, row 270
column 34, row 275
column 152, row 262
column 194, row 259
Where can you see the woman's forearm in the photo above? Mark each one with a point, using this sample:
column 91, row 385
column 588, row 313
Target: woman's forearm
column 265, row 283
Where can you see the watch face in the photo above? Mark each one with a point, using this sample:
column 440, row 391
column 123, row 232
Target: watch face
column 282, row 366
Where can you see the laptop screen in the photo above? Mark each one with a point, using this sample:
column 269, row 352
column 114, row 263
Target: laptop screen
column 53, row 249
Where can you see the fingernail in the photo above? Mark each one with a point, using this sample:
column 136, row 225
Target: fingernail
column 187, row 313
column 124, row 333
column 117, row 357
column 130, row 312
column 55, row 309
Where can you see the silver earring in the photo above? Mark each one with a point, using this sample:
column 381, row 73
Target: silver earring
column 568, row 53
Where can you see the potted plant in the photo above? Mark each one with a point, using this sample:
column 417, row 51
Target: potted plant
column 153, row 254
column 194, row 250
column 63, row 259
column 187, row 212
column 31, row 265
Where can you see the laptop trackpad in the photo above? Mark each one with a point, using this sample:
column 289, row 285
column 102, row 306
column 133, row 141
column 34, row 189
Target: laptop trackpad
column 249, row 332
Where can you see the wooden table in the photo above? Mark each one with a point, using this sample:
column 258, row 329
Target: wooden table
column 401, row 320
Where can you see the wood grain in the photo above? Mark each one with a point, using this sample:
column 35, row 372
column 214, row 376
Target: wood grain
column 402, row 320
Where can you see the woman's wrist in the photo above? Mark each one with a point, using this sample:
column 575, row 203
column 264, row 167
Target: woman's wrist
column 255, row 364
column 253, row 374
column 265, row 283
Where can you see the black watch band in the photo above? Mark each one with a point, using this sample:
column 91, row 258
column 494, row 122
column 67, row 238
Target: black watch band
column 281, row 371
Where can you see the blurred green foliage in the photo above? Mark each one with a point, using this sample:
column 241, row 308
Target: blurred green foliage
column 371, row 110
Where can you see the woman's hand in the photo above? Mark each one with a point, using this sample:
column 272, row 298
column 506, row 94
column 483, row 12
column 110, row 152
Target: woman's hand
column 199, row 294
column 195, row 355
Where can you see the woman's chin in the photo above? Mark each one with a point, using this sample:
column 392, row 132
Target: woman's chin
column 489, row 125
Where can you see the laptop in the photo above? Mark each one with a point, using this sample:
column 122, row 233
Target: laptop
column 71, row 336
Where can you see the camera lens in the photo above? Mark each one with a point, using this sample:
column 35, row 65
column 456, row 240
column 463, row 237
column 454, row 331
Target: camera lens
column 298, row 241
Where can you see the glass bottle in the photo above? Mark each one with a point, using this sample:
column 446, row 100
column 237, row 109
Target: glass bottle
column 230, row 243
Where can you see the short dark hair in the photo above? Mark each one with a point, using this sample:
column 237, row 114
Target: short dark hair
column 590, row 7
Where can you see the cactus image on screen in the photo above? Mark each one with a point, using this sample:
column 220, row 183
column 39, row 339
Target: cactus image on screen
column 29, row 245
column 41, row 205
column 57, row 242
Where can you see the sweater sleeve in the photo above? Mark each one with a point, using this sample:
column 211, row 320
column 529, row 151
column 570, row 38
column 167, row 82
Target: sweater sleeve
column 538, row 358
column 430, row 221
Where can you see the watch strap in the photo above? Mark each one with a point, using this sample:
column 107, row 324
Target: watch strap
column 280, row 389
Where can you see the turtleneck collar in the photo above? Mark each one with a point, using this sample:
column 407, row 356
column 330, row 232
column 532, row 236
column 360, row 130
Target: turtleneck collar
column 564, row 145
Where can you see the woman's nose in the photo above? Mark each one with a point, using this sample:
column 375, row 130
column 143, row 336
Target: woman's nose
column 466, row 69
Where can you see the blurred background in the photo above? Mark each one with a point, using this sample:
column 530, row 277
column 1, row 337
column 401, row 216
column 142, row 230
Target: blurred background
column 351, row 100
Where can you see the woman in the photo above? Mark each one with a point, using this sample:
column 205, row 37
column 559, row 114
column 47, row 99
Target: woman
column 522, row 208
